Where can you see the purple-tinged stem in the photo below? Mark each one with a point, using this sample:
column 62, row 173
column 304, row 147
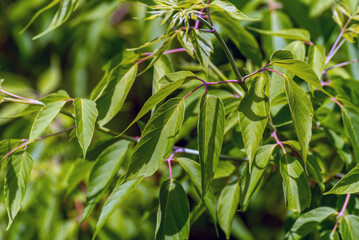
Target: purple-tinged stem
column 308, row 43
column 193, row 91
column 27, row 100
column 274, row 135
column 330, row 56
column 340, row 65
column 209, row 16
column 168, row 160
column 272, row 70
column 337, row 102
column 228, row 81
column 196, row 25
column 149, row 54
column 332, row 50
column 341, row 213
column 37, row 139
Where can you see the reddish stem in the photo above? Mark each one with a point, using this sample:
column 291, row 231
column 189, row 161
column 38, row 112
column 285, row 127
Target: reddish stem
column 274, row 135
column 341, row 213
column 149, row 54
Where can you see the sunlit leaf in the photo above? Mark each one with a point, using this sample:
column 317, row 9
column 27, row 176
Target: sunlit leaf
column 85, row 118
column 210, row 137
column 18, row 170
column 254, row 112
column 157, row 139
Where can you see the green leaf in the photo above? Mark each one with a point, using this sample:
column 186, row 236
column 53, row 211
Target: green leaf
column 302, row 112
column 156, row 99
column 298, row 67
column 281, row 55
column 177, row 76
column 349, row 227
column 43, row 119
column 224, row 169
column 119, row 193
column 66, row 8
column 254, row 111
column 157, row 139
column 193, row 169
column 316, row 59
column 113, row 97
column 103, row 173
column 85, row 119
column 210, row 137
column 350, row 115
column 18, row 170
column 250, row 182
column 244, row 41
column 173, row 212
column 290, row 33
column 295, row 184
column 230, row 9
column 161, row 68
column 348, row 184
column 114, row 70
column 308, row 222
column 203, row 47
column 227, row 207
column 186, row 42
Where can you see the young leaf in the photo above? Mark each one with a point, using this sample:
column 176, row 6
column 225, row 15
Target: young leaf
column 281, row 55
column 173, row 212
column 102, row 173
column 85, row 119
column 350, row 115
column 193, row 169
column 349, row 227
column 66, row 8
column 251, row 181
column 203, row 47
column 155, row 99
column 227, row 207
column 43, row 119
column 301, row 69
column 230, row 9
column 316, row 59
column 119, row 193
column 113, row 97
column 308, row 222
column 157, row 139
column 348, row 184
column 18, row 170
column 302, row 112
column 210, row 137
column 254, row 112
column 290, row 33
column 295, row 184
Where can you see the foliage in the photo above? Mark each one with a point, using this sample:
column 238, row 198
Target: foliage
column 209, row 119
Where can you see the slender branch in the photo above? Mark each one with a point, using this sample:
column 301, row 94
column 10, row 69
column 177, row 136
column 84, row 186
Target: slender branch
column 25, row 100
column 274, row 135
column 37, row 139
column 149, row 54
column 341, row 213
column 331, row 55
column 335, row 45
column 340, row 65
column 228, row 54
column 221, row 156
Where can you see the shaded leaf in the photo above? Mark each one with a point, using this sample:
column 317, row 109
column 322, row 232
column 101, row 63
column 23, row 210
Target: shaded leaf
column 295, row 184
column 193, row 170
column 173, row 212
column 103, row 173
column 210, row 137
column 119, row 193
column 157, row 139
column 18, row 170
column 350, row 115
column 253, row 113
column 227, row 206
column 85, row 119
column 251, row 181
column 308, row 222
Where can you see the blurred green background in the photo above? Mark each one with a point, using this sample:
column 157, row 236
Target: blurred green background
column 71, row 58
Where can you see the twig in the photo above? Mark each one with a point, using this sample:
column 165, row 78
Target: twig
column 340, row 65
column 341, row 213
